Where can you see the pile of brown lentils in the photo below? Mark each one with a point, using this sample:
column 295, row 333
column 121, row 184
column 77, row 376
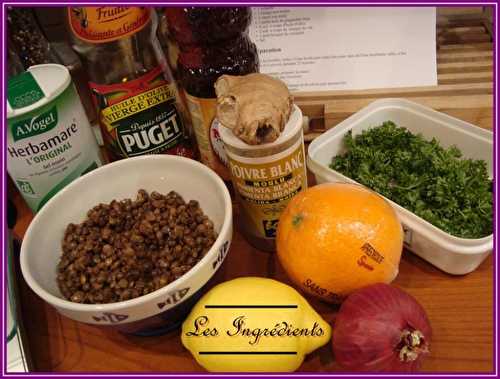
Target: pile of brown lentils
column 127, row 248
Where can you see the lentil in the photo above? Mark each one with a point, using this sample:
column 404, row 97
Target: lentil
column 128, row 248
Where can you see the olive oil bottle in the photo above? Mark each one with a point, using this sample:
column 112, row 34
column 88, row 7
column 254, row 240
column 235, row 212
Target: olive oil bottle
column 134, row 93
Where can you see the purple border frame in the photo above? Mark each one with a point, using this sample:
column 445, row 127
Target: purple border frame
column 3, row 286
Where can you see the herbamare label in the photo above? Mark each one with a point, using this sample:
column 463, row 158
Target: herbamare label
column 23, row 90
column 35, row 125
column 139, row 117
column 266, row 185
column 49, row 147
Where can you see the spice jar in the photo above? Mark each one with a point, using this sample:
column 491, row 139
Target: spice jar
column 265, row 177
column 27, row 38
column 14, row 65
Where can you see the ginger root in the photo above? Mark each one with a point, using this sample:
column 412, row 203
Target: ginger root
column 256, row 106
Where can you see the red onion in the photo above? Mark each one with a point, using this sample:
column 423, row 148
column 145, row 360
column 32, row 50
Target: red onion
column 381, row 328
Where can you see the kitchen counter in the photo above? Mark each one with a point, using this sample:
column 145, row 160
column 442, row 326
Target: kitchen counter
column 460, row 309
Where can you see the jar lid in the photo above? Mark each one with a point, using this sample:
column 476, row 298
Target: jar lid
column 38, row 86
column 291, row 128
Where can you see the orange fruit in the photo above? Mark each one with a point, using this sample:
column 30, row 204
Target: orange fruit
column 335, row 238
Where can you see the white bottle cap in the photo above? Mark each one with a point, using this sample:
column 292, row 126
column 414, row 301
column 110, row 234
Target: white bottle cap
column 52, row 79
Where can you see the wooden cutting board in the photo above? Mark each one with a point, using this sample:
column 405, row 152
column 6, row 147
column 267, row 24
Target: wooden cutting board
column 465, row 78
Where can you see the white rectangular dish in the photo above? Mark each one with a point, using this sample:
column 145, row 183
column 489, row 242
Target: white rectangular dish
column 451, row 254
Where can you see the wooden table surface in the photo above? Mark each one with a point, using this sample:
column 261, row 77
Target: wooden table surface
column 460, row 309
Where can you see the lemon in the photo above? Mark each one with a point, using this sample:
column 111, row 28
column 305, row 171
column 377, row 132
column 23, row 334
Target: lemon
column 253, row 324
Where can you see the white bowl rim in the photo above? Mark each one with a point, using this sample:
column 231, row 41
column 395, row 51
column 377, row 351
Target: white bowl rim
column 109, row 307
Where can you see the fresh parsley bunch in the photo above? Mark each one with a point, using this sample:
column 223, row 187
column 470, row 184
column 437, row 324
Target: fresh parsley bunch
column 451, row 193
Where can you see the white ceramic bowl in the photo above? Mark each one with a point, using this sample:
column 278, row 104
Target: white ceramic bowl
column 157, row 311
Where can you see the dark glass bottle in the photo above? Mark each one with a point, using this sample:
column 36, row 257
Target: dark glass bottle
column 211, row 42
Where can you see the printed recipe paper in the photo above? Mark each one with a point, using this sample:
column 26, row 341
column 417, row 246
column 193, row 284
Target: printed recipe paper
column 347, row 48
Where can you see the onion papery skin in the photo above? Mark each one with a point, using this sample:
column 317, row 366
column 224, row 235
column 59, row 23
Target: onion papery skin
column 369, row 326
